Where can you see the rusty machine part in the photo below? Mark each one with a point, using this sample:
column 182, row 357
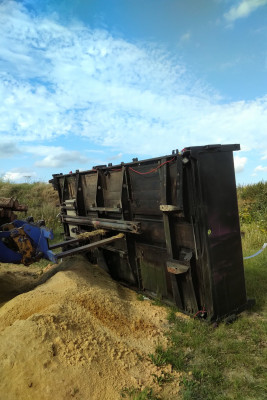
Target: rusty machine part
column 179, row 217
column 24, row 245
column 7, row 206
column 24, row 242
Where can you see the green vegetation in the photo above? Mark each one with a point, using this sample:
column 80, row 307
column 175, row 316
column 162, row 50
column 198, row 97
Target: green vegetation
column 163, row 378
column 140, row 297
column 40, row 198
column 252, row 200
column 136, row 394
column 173, row 355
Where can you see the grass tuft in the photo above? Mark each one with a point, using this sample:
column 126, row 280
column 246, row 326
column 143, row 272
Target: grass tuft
column 132, row 393
column 172, row 355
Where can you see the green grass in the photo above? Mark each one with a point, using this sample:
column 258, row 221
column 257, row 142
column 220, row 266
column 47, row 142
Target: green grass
column 165, row 377
column 252, row 201
column 132, row 393
column 226, row 361
column 140, row 297
column 173, row 355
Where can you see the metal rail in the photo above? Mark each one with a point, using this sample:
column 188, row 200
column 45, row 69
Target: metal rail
column 117, row 225
column 87, row 247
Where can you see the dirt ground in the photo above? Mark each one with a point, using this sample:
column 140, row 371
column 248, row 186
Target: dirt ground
column 76, row 335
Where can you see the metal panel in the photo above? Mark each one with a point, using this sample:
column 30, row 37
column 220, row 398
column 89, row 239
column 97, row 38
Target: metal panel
column 89, row 184
column 169, row 208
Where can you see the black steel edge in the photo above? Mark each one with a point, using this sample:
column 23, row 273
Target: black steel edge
column 195, row 150
column 232, row 315
column 114, row 167
column 192, row 150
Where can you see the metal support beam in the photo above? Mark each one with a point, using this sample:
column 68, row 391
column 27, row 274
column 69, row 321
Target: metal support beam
column 79, row 238
column 112, row 224
column 88, row 247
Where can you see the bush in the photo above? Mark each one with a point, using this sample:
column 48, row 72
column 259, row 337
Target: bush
column 40, row 198
column 252, row 202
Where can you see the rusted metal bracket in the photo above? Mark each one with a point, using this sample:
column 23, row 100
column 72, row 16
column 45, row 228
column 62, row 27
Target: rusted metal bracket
column 176, row 267
column 7, row 206
column 24, row 244
column 181, row 265
column 168, row 208
column 11, row 203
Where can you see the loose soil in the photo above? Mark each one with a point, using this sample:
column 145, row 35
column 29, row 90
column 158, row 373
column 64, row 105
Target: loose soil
column 74, row 333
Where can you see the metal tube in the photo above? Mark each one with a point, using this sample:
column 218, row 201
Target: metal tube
column 88, row 247
column 117, row 225
column 79, row 238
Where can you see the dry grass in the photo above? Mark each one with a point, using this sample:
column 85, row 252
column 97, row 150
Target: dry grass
column 41, row 199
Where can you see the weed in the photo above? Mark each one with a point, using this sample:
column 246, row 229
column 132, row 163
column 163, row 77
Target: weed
column 140, row 357
column 158, row 302
column 132, row 393
column 140, row 297
column 163, row 378
column 172, row 355
column 194, row 390
column 171, row 317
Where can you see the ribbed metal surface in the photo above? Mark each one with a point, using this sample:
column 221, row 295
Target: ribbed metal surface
column 180, row 218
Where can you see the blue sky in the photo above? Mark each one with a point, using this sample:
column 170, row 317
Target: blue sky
column 90, row 82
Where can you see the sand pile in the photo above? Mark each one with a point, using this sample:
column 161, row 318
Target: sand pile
column 79, row 335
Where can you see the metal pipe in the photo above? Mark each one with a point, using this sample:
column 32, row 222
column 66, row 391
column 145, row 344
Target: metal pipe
column 88, row 247
column 117, row 225
column 79, row 238
column 65, row 243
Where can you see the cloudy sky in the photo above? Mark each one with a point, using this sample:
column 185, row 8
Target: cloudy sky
column 89, row 82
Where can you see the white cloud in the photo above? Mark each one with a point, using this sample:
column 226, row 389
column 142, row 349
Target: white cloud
column 261, row 168
column 116, row 156
column 19, row 175
column 243, row 9
column 185, row 37
column 131, row 98
column 230, row 64
column 56, row 156
column 239, row 163
column 62, row 159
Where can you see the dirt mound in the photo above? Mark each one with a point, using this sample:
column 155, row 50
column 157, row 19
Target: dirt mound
column 79, row 335
column 15, row 280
